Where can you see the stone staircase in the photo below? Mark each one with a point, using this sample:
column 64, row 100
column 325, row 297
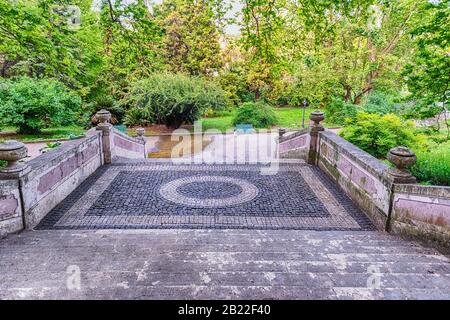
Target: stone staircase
column 219, row 264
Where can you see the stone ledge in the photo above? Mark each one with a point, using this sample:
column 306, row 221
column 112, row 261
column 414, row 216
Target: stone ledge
column 416, row 189
column 55, row 156
column 365, row 160
column 127, row 137
column 293, row 135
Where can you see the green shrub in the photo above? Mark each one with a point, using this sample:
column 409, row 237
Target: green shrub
column 378, row 134
column 433, row 167
column 138, row 116
column 34, row 104
column 260, row 115
column 381, row 103
column 108, row 103
column 172, row 99
column 339, row 111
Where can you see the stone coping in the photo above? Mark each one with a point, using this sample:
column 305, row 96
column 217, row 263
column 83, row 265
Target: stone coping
column 55, row 156
column 53, row 140
column 293, row 135
column 127, row 137
column 207, row 132
column 362, row 158
column 417, row 189
column 5, row 183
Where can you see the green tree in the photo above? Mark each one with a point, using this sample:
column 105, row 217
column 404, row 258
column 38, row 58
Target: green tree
column 191, row 42
column 131, row 44
column 346, row 48
column 428, row 75
column 261, row 24
column 38, row 40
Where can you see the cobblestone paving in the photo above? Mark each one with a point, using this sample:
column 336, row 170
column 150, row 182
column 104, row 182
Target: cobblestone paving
column 163, row 195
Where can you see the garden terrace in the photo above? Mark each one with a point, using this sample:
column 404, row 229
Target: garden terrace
column 314, row 218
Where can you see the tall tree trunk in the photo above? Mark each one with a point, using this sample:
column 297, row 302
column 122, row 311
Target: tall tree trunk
column 348, row 93
column 257, row 94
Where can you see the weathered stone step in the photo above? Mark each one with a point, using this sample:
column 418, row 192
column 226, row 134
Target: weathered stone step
column 22, row 264
column 221, row 264
column 221, row 237
column 222, row 292
column 242, row 278
column 276, row 246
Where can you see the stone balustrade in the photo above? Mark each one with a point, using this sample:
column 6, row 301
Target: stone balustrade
column 390, row 197
column 29, row 190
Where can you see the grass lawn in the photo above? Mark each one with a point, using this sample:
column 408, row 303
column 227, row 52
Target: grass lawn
column 45, row 134
column 287, row 118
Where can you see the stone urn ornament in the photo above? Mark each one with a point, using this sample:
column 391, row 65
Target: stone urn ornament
column 402, row 158
column 317, row 116
column 104, row 117
column 140, row 133
column 13, row 151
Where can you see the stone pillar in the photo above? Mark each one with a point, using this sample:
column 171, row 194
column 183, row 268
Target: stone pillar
column 104, row 116
column 402, row 158
column 281, row 132
column 11, row 205
column 13, row 151
column 316, row 117
column 140, row 134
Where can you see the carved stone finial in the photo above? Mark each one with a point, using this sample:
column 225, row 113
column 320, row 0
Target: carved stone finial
column 317, row 116
column 13, row 151
column 402, row 158
column 282, row 132
column 140, row 133
column 103, row 116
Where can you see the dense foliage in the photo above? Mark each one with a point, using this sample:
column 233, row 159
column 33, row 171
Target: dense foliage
column 377, row 134
column 434, row 166
column 359, row 60
column 339, row 112
column 427, row 75
column 286, row 51
column 172, row 99
column 259, row 115
column 32, row 105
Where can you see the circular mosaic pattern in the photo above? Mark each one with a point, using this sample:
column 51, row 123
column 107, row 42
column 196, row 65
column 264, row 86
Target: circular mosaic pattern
column 212, row 191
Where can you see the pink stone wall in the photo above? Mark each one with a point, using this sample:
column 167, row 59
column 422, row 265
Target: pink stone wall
column 296, row 143
column 120, row 142
column 346, row 165
column 355, row 174
column 425, row 209
column 65, row 168
column 8, row 206
column 422, row 212
column 57, row 173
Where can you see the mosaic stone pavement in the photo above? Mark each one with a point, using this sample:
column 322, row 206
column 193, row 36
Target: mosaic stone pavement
column 155, row 195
